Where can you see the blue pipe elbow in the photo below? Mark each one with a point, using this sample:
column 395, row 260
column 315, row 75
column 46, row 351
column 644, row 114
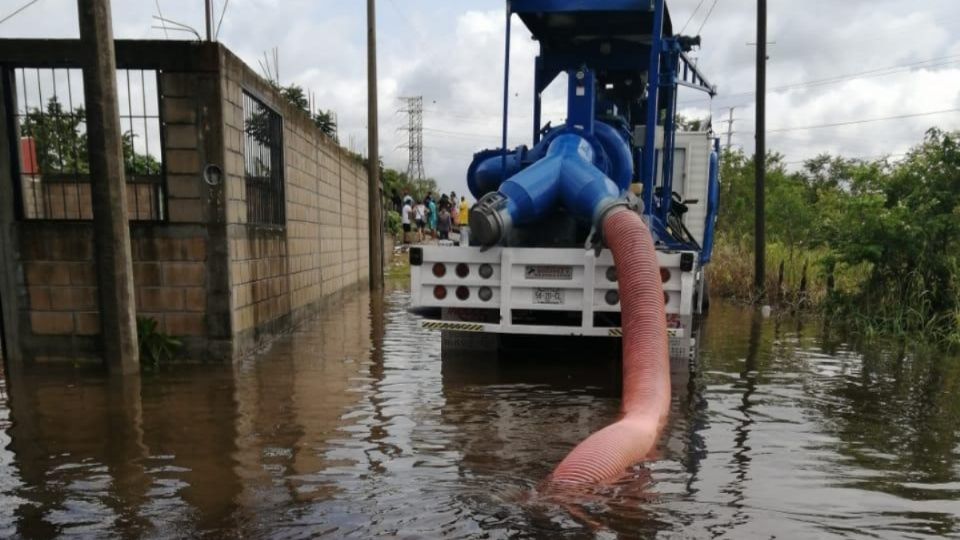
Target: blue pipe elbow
column 567, row 175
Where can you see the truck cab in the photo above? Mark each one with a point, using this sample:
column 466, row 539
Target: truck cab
column 535, row 263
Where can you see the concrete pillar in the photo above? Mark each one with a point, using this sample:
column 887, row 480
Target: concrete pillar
column 108, row 186
column 9, row 309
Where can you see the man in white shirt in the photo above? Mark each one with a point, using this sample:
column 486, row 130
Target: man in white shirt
column 405, row 220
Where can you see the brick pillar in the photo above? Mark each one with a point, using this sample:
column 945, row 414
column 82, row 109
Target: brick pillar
column 111, row 229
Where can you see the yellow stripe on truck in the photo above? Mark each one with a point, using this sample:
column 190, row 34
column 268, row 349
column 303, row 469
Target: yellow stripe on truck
column 463, row 327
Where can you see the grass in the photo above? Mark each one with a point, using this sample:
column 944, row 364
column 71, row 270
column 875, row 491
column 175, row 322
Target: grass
column 797, row 280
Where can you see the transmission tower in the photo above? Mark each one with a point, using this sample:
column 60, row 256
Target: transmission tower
column 413, row 107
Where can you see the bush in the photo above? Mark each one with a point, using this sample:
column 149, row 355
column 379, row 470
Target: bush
column 394, row 223
column 155, row 347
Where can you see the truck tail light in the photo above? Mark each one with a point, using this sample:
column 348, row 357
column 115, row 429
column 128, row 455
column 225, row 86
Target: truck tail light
column 440, row 292
column 664, row 275
column 486, row 271
column 485, row 294
column 612, row 274
column 612, row 298
column 439, row 270
column 666, row 298
column 463, row 270
column 463, row 293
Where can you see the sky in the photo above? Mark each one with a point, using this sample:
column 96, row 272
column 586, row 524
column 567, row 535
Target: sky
column 830, row 62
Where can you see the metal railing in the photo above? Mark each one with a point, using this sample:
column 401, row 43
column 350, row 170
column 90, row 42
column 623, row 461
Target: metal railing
column 263, row 163
column 50, row 126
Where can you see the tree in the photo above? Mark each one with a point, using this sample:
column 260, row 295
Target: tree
column 326, row 123
column 295, row 95
column 60, row 139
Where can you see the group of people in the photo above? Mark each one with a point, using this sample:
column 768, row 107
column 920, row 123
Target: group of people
column 434, row 218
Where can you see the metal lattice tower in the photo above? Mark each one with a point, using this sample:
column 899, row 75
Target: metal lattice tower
column 413, row 107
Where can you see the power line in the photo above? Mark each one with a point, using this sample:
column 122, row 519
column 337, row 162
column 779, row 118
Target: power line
column 692, row 15
column 707, row 18
column 866, row 121
column 876, row 72
column 18, row 11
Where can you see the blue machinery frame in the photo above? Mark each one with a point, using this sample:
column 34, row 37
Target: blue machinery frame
column 644, row 46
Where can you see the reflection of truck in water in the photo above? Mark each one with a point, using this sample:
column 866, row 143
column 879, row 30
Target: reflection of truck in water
column 536, row 263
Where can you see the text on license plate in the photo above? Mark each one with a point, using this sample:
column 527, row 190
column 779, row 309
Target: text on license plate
column 548, row 296
column 546, row 271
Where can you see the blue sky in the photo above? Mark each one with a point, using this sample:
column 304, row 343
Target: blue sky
column 451, row 53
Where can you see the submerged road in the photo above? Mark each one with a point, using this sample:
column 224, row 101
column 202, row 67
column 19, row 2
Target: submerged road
column 353, row 427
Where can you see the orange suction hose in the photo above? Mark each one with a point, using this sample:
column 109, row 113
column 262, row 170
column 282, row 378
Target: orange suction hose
column 607, row 454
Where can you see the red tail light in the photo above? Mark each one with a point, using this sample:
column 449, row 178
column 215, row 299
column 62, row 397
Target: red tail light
column 463, row 270
column 439, row 270
column 664, row 275
column 463, row 293
column 666, row 298
column 440, row 292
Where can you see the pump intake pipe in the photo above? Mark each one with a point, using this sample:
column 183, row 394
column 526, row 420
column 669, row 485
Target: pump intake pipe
column 607, row 454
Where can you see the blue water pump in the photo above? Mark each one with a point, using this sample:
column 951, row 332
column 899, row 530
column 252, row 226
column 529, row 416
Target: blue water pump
column 603, row 152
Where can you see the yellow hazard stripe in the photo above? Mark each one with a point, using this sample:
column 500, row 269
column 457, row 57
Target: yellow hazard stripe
column 463, row 327
column 616, row 332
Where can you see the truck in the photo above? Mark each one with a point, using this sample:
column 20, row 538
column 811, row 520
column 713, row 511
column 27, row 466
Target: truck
column 533, row 261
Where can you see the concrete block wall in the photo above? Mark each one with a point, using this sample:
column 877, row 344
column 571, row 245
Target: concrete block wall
column 221, row 285
column 280, row 274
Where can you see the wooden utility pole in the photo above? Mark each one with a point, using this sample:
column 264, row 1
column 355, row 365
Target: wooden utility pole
column 373, row 154
column 760, row 247
column 108, row 186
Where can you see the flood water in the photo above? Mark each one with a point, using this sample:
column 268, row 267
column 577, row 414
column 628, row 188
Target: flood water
column 354, row 427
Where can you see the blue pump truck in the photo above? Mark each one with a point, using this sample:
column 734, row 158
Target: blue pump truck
column 533, row 261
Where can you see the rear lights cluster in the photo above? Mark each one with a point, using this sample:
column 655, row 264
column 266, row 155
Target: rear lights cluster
column 462, row 292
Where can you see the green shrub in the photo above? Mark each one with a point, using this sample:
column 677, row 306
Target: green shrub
column 155, row 347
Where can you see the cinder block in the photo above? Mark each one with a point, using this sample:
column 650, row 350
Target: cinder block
column 147, row 274
column 179, row 110
column 83, row 274
column 51, row 323
column 195, row 249
column 195, row 300
column 162, row 299
column 39, row 298
column 87, row 324
column 183, row 162
column 181, row 136
column 185, row 324
column 177, row 84
column 186, row 211
column 188, row 274
column 184, row 186
column 73, row 298
column 45, row 273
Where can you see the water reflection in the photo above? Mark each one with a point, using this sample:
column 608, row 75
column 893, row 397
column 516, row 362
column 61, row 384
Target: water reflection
column 353, row 426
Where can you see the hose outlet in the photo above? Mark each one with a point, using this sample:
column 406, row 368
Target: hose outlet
column 489, row 219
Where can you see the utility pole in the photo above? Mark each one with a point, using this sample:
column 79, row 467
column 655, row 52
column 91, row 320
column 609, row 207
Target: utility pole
column 209, row 9
column 761, row 152
column 374, row 198
column 730, row 130
column 414, row 111
column 111, row 229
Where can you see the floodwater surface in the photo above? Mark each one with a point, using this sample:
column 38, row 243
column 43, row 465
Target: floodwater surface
column 353, row 426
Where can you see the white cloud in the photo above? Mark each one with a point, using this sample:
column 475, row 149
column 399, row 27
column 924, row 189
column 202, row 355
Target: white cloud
column 452, row 54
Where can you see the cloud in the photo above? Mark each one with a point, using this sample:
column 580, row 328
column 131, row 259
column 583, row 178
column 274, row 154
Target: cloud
column 452, row 54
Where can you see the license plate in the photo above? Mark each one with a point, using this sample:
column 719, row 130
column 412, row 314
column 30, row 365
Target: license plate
column 548, row 296
column 550, row 272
